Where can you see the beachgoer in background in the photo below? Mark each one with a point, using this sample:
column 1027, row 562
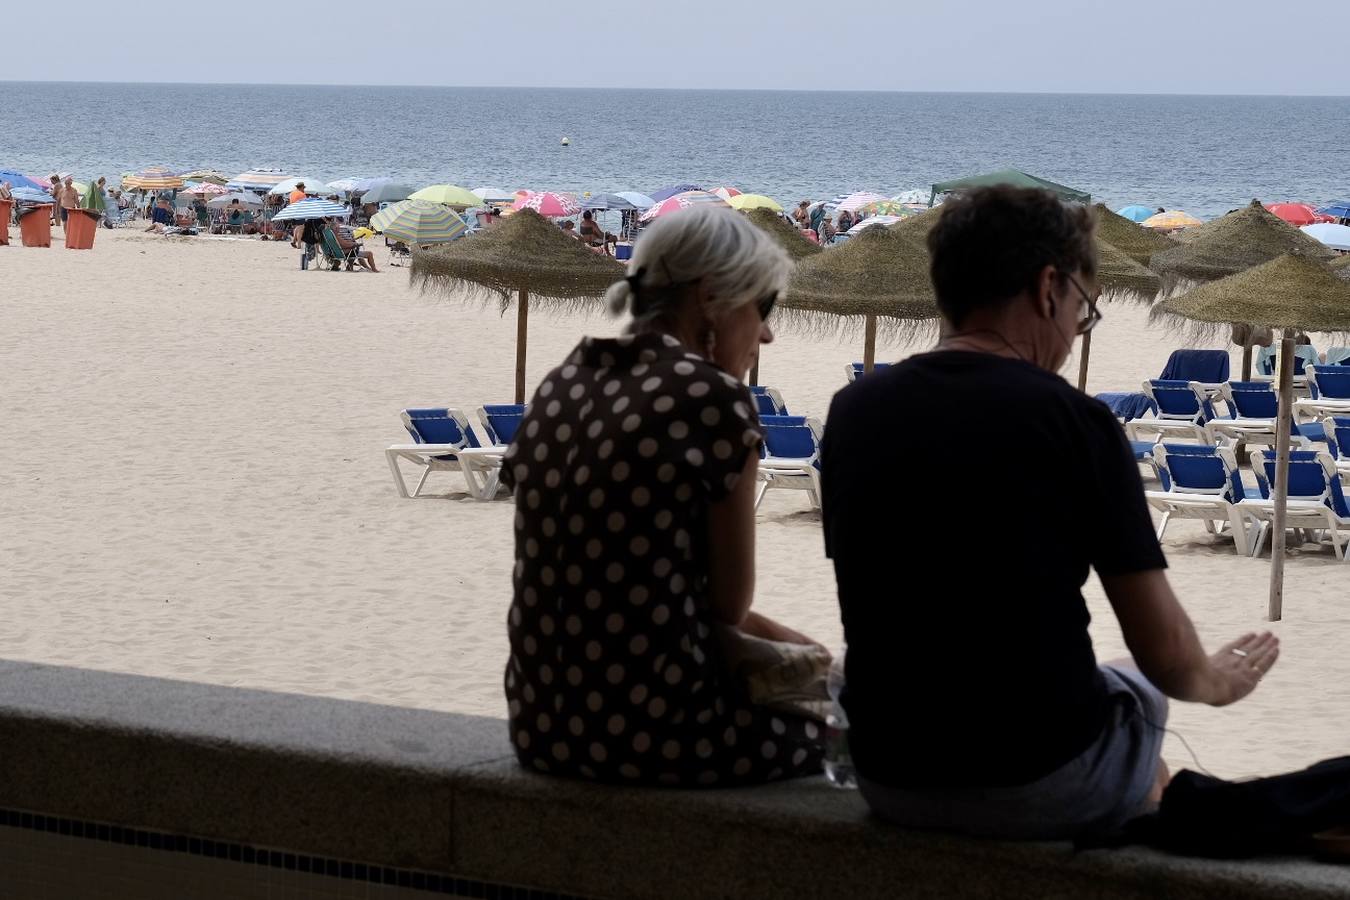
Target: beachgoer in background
column 5, row 192
column 343, row 235
column 1161, row 210
column 817, row 213
column 161, row 217
column 1024, row 735
column 235, row 214
column 55, row 191
column 70, row 198
column 569, row 228
column 593, row 234
column 846, row 220
column 634, row 475
column 802, row 214
column 202, row 211
column 298, row 229
column 825, row 230
column 298, row 194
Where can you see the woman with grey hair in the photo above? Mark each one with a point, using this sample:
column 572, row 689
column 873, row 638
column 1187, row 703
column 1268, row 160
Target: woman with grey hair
column 634, row 476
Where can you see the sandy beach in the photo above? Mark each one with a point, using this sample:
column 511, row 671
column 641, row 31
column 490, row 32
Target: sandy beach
column 193, row 486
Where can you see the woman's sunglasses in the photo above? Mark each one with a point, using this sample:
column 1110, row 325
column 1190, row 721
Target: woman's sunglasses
column 766, row 305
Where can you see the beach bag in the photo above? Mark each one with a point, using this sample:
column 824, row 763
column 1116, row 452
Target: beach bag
column 1205, row 816
column 787, row 677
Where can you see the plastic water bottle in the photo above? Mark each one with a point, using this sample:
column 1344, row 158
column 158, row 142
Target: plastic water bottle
column 838, row 759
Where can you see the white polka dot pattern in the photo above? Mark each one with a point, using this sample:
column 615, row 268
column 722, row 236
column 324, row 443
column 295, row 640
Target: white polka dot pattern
column 614, row 672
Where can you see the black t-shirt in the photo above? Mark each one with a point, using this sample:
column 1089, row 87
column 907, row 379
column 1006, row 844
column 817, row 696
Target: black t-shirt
column 965, row 497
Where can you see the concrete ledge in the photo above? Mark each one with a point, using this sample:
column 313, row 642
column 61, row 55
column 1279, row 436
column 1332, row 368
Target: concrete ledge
column 441, row 793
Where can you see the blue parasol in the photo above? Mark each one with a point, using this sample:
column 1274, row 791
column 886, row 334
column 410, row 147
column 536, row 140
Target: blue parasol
column 1136, row 213
column 19, row 180
column 1337, row 209
column 667, row 193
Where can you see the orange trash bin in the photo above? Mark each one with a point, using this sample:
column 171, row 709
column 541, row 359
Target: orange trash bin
column 35, row 226
column 6, row 207
column 81, row 226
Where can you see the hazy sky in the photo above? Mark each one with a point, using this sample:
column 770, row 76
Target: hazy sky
column 1145, row 46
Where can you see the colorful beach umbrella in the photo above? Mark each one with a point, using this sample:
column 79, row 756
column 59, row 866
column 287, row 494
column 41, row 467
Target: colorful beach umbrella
column 205, row 189
column 286, row 185
column 1336, row 209
column 1297, row 214
column 1337, row 237
column 155, row 178
column 887, row 208
column 493, row 195
column 448, row 195
column 245, row 198
column 549, row 203
column 754, row 201
column 19, row 180
column 312, row 208
column 726, row 193
column 1171, row 220
column 678, row 202
column 419, row 222
column 667, row 192
column 1137, row 213
column 31, row 195
column 854, row 201
column 641, row 201
column 257, row 180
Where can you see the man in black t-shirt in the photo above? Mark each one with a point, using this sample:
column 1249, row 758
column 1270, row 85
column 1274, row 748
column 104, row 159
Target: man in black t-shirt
column 967, row 492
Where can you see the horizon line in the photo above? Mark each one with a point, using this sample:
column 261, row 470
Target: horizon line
column 763, row 90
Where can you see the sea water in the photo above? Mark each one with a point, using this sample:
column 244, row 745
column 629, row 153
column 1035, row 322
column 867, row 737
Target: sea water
column 1206, row 155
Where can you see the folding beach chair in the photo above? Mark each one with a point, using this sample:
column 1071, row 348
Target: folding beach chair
column 1202, row 483
column 334, row 253
column 1255, row 408
column 500, row 421
column 768, row 402
column 1316, row 499
column 441, row 440
column 791, row 456
column 853, row 371
column 1183, row 408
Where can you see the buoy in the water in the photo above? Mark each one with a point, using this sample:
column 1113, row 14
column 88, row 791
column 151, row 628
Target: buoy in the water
column 567, row 142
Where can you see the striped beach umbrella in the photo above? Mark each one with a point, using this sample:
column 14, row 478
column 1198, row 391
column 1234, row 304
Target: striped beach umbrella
column 549, row 203
column 205, row 189
column 419, row 222
column 855, row 201
column 155, row 178
column 312, row 208
column 726, row 193
column 447, row 195
column 257, row 180
column 679, row 202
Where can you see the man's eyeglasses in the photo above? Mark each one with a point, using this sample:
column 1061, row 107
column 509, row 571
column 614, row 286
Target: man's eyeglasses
column 1094, row 315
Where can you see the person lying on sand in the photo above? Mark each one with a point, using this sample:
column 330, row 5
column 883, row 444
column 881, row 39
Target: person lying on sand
column 975, row 701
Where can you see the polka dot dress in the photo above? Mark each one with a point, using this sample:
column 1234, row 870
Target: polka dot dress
column 615, row 673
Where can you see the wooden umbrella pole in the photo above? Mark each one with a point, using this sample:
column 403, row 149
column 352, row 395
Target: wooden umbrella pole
column 1084, row 352
column 1282, row 429
column 1247, row 362
column 522, row 337
column 870, row 345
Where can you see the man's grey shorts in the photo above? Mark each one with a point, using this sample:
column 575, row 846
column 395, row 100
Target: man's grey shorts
column 1094, row 793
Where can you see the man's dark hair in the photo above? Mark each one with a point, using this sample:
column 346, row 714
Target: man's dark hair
column 586, row 214
column 991, row 243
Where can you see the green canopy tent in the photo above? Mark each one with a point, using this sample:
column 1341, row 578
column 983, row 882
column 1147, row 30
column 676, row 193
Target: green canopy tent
column 876, row 274
column 523, row 255
column 1012, row 177
column 1293, row 293
column 1228, row 245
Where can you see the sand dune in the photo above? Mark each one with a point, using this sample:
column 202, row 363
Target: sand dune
column 192, row 486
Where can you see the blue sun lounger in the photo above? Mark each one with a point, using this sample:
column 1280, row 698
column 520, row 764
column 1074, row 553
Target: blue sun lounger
column 768, row 402
column 1204, row 483
column 500, row 421
column 440, row 435
column 1255, row 407
column 1316, row 498
column 791, row 456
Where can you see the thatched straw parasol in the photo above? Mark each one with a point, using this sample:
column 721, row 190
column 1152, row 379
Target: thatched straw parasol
column 1121, row 278
column 1291, row 292
column 525, row 255
column 915, row 228
column 1230, row 244
column 1341, row 266
column 1138, row 242
column 789, row 238
column 876, row 274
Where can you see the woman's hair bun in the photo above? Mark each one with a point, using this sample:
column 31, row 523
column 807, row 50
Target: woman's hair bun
column 619, row 296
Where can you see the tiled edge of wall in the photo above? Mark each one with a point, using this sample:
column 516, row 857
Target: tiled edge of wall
column 246, row 855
